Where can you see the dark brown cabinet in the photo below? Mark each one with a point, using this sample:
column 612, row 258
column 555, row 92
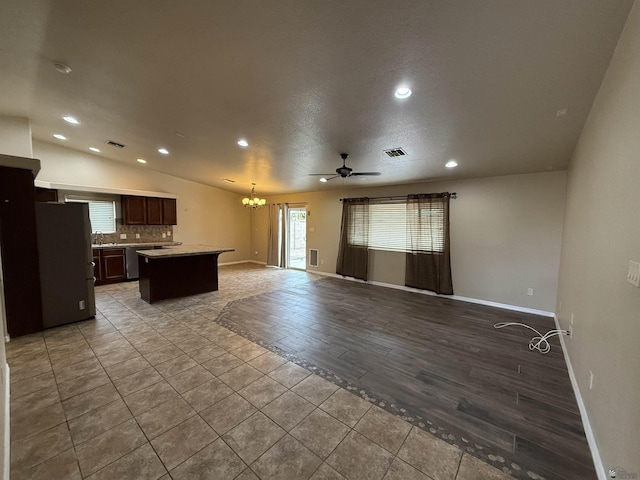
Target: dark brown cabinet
column 149, row 211
column 110, row 265
column 134, row 210
column 18, row 242
column 169, row 211
column 154, row 211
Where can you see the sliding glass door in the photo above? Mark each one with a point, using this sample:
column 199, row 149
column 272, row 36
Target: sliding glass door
column 297, row 238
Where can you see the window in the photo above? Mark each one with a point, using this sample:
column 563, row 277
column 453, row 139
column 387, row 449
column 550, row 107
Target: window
column 389, row 228
column 102, row 213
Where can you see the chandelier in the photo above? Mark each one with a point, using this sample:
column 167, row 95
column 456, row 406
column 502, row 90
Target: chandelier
column 253, row 201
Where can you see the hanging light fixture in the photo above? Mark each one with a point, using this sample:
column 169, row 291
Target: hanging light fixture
column 253, row 201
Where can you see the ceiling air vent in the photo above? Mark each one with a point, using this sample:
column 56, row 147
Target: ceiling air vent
column 114, row 144
column 395, row 152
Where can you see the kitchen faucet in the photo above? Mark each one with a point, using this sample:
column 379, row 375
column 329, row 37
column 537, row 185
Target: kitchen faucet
column 99, row 237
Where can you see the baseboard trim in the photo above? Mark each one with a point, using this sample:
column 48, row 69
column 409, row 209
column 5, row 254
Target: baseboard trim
column 591, row 439
column 241, row 261
column 504, row 306
column 7, row 423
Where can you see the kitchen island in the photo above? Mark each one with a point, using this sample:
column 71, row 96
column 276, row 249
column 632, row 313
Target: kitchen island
column 173, row 272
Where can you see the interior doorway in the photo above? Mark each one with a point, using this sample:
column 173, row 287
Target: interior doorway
column 297, row 238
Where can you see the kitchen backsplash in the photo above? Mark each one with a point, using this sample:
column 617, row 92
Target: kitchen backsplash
column 148, row 233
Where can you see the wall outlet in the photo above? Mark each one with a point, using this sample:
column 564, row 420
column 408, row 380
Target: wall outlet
column 530, row 292
column 633, row 274
column 123, row 236
column 137, row 235
column 81, row 305
column 168, row 234
column 164, row 235
column 590, row 380
column 255, row 253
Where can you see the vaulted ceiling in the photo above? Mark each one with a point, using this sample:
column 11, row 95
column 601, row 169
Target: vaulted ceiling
column 501, row 86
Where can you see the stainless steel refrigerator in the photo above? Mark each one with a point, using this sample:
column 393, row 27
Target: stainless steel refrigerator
column 66, row 263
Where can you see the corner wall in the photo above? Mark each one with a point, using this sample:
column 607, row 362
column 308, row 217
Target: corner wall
column 602, row 233
column 205, row 214
column 506, row 234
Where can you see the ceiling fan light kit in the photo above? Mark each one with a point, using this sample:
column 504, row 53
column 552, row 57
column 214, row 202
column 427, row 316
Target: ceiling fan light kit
column 343, row 171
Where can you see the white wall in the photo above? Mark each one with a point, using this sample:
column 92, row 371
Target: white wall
column 602, row 233
column 15, row 136
column 506, row 234
column 205, row 214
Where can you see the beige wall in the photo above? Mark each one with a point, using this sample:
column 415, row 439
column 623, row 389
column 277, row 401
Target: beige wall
column 602, row 233
column 205, row 214
column 506, row 234
column 15, row 136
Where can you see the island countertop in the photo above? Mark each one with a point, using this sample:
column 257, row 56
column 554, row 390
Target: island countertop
column 183, row 251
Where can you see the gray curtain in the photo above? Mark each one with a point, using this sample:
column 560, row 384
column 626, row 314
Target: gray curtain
column 273, row 239
column 428, row 259
column 353, row 252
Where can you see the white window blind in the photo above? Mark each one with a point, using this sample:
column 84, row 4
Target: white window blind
column 102, row 214
column 389, row 228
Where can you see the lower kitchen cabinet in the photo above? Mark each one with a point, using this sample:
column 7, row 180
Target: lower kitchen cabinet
column 110, row 265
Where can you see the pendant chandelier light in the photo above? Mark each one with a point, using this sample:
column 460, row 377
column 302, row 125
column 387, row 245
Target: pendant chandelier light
column 253, row 201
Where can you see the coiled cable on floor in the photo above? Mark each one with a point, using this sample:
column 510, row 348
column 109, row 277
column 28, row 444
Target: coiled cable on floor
column 538, row 342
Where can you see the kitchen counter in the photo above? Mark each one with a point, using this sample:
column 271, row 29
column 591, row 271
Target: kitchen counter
column 184, row 251
column 141, row 245
column 173, row 272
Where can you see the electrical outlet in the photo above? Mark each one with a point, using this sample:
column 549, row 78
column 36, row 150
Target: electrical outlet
column 255, row 253
column 164, row 235
column 123, row 236
column 137, row 235
column 530, row 292
column 168, row 234
column 590, row 380
column 81, row 305
column 633, row 274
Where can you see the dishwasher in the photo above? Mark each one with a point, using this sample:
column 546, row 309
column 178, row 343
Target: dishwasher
column 131, row 257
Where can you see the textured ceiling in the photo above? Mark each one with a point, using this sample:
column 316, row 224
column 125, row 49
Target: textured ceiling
column 303, row 80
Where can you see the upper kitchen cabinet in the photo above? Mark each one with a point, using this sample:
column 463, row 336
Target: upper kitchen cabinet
column 134, row 210
column 169, row 211
column 148, row 211
column 154, row 211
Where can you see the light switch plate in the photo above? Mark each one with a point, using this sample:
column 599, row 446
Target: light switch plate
column 123, row 236
column 633, row 276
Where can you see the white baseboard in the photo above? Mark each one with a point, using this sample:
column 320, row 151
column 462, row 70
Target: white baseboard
column 241, row 261
column 7, row 423
column 593, row 446
column 478, row 301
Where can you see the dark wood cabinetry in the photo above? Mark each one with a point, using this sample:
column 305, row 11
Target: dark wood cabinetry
column 154, row 211
column 19, row 246
column 46, row 195
column 110, row 265
column 148, row 211
column 134, row 210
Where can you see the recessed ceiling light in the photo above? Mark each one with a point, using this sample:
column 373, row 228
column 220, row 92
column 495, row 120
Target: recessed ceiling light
column 243, row 143
column 94, row 149
column 62, row 68
column 451, row 164
column 323, row 180
column 163, row 151
column 72, row 120
column 59, row 136
column 403, row 92
column 141, row 160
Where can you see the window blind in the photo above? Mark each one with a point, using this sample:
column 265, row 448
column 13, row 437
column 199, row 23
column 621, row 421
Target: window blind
column 102, row 214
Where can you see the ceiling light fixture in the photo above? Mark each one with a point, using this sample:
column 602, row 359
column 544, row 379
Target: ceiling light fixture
column 252, row 201
column 71, row 120
column 62, row 68
column 228, row 180
column 94, row 149
column 451, row 164
column 163, row 151
column 59, row 136
column 243, row 143
column 141, row 160
column 402, row 92
column 323, row 180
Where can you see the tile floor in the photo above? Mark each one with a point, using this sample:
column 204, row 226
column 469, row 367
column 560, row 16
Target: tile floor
column 162, row 391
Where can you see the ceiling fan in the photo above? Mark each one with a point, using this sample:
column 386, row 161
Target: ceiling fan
column 343, row 171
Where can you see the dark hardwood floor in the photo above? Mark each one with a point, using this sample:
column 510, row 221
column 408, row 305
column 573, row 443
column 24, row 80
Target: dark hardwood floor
column 439, row 360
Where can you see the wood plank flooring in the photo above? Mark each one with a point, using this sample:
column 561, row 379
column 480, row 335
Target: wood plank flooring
column 440, row 360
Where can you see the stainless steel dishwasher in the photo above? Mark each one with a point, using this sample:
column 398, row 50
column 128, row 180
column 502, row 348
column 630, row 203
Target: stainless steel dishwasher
column 132, row 261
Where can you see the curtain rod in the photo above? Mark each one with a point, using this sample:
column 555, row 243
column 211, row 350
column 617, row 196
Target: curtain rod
column 393, row 197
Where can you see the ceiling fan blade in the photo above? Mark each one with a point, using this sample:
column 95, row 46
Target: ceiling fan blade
column 321, row 174
column 365, row 173
column 331, row 178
